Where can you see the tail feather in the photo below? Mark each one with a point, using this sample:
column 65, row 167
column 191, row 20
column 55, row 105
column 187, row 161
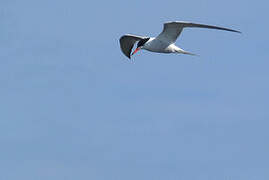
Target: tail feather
column 179, row 50
column 189, row 53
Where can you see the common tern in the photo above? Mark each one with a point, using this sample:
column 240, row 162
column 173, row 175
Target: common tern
column 165, row 41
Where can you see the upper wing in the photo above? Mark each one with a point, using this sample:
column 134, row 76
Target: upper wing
column 127, row 43
column 171, row 30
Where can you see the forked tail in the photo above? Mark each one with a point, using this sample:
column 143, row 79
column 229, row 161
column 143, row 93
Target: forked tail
column 179, row 50
column 185, row 52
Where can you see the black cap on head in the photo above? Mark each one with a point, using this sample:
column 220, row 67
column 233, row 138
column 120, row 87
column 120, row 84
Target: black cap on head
column 142, row 42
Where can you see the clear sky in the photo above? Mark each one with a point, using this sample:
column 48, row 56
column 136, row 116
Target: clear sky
column 74, row 107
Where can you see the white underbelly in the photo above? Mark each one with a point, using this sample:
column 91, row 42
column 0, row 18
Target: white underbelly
column 156, row 45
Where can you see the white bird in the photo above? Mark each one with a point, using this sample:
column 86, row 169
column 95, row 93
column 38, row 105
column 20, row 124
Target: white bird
column 164, row 42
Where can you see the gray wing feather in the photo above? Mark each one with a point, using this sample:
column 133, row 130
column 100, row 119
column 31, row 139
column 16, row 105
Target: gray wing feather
column 127, row 43
column 171, row 30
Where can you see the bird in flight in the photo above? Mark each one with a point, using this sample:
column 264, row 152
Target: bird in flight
column 164, row 42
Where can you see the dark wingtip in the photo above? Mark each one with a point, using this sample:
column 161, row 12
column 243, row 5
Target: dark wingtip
column 129, row 56
column 237, row 31
column 231, row 30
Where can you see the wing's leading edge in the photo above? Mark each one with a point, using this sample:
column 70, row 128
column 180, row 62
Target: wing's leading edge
column 171, row 30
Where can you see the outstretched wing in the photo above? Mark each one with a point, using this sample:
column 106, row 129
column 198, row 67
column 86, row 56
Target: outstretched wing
column 127, row 43
column 171, row 30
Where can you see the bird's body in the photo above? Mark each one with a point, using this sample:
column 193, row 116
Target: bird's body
column 156, row 45
column 164, row 42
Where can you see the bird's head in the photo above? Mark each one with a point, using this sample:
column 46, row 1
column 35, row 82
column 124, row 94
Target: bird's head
column 140, row 45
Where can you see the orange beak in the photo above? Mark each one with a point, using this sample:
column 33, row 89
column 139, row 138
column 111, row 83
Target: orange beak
column 136, row 50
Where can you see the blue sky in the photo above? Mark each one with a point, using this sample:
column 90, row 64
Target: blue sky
column 74, row 107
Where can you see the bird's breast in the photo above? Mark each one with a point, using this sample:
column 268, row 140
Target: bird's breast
column 156, row 45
